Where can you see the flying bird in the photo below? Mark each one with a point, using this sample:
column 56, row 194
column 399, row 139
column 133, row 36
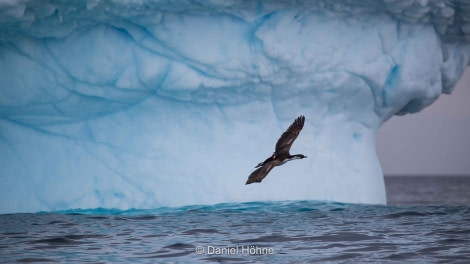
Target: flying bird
column 281, row 155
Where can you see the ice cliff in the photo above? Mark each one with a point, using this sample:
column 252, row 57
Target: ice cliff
column 141, row 104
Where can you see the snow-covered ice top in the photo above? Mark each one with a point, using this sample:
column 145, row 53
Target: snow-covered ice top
column 161, row 103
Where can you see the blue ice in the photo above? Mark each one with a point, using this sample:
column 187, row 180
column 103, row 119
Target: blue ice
column 141, row 104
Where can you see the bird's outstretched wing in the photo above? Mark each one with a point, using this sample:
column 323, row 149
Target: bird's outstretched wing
column 287, row 138
column 259, row 174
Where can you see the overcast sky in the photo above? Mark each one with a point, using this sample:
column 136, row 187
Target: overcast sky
column 435, row 141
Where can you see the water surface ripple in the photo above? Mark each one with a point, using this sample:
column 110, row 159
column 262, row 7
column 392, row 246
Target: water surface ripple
column 275, row 232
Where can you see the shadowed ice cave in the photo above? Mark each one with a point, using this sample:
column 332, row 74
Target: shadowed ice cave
column 142, row 104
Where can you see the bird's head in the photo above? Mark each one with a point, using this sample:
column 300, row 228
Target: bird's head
column 299, row 156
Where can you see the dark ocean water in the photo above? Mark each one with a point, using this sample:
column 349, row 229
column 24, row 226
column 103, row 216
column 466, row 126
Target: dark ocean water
column 427, row 221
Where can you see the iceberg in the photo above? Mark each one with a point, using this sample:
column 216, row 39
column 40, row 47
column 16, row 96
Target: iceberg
column 143, row 104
